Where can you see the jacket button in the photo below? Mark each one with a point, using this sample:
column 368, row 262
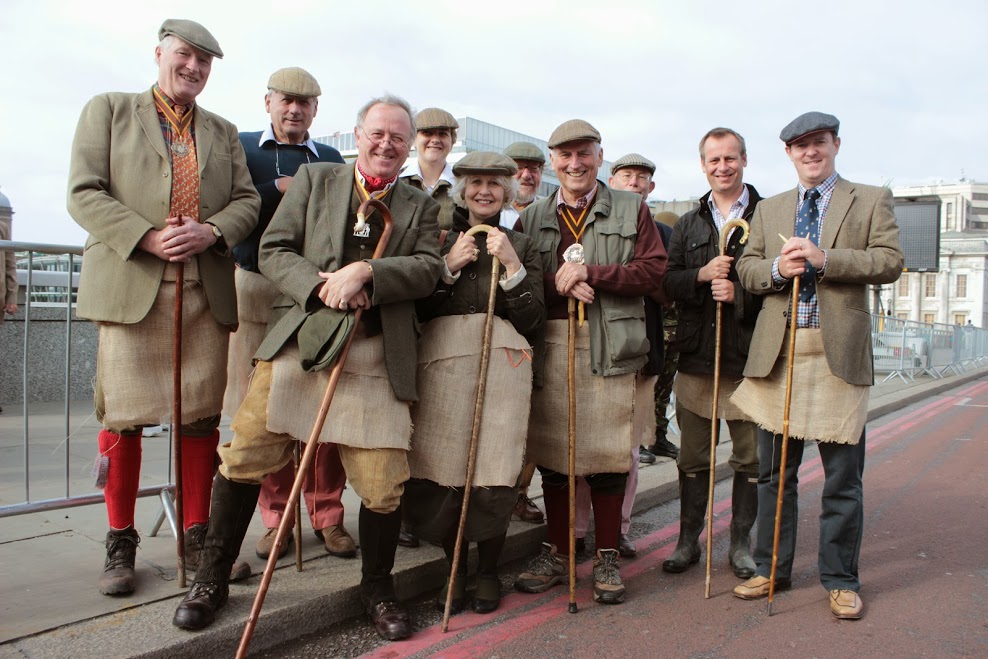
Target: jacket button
column 472, row 309
column 785, row 314
column 473, row 275
column 164, row 174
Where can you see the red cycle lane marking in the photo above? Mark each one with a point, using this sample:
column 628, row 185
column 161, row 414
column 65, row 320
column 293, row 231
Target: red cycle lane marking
column 658, row 547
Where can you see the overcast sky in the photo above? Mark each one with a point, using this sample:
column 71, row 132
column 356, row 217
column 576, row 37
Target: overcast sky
column 906, row 79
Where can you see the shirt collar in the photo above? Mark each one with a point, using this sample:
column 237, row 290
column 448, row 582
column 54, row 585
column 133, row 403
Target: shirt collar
column 363, row 181
column 824, row 188
column 268, row 136
column 413, row 169
column 742, row 201
column 172, row 103
column 581, row 203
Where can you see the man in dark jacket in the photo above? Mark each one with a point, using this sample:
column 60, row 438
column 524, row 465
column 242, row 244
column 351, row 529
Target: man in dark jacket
column 699, row 278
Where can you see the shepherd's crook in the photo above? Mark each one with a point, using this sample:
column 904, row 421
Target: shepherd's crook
column 785, row 438
column 176, row 429
column 725, row 232
column 310, row 449
column 478, row 415
column 573, row 254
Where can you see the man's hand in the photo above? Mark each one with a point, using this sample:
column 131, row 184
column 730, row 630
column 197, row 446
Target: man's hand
column 11, row 308
column 344, row 289
column 179, row 241
column 463, row 251
column 723, row 290
column 796, row 253
column 282, row 183
column 569, row 275
column 717, row 268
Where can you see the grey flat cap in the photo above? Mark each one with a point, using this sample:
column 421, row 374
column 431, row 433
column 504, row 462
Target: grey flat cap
column 811, row 122
column 294, row 81
column 574, row 130
column 525, row 151
column 191, row 33
column 633, row 160
column 431, row 118
column 485, row 162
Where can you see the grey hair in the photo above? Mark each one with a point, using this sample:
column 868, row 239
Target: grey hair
column 723, row 132
column 165, row 44
column 386, row 99
column 509, row 183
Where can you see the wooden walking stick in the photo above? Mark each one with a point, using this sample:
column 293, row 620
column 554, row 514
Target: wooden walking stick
column 298, row 510
column 573, row 254
column 478, row 415
column 785, row 438
column 310, row 449
column 725, row 232
column 176, row 428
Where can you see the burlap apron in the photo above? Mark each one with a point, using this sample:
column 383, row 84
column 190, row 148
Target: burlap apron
column 696, row 393
column 448, row 371
column 613, row 414
column 255, row 296
column 135, row 362
column 823, row 407
column 364, row 413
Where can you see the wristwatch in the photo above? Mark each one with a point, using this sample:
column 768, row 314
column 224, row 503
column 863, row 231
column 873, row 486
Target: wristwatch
column 216, row 231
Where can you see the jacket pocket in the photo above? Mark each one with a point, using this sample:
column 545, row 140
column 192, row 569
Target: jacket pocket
column 687, row 334
column 624, row 329
column 697, row 250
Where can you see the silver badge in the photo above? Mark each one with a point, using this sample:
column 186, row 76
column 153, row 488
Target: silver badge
column 362, row 233
column 180, row 149
column 573, row 253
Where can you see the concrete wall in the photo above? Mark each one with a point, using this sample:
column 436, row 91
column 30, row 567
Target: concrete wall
column 46, row 357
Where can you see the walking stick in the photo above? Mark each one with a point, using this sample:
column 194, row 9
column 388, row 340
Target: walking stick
column 310, row 449
column 725, row 232
column 785, row 438
column 176, row 428
column 573, row 254
column 478, row 414
column 298, row 511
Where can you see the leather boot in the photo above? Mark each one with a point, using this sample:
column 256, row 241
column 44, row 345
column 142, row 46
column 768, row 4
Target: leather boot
column 118, row 570
column 744, row 510
column 378, row 544
column 195, row 536
column 230, row 512
column 693, row 491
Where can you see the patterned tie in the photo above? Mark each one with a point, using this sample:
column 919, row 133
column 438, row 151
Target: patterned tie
column 807, row 226
column 185, row 171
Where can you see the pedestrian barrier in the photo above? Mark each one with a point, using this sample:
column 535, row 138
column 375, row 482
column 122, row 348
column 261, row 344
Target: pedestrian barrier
column 905, row 349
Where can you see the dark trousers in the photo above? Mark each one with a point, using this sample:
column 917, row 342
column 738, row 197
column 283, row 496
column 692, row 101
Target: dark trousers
column 841, row 517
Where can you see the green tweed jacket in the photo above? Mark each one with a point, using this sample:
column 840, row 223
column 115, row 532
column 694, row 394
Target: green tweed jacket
column 120, row 187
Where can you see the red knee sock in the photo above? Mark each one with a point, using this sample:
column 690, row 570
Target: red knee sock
column 556, row 500
column 607, row 518
column 122, row 473
column 198, row 468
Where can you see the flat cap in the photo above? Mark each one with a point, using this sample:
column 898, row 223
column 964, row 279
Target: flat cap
column 485, row 162
column 431, row 118
column 191, row 33
column 525, row 151
column 811, row 122
column 574, row 130
column 294, row 81
column 633, row 160
column 667, row 218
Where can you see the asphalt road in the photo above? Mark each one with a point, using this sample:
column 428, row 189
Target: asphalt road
column 924, row 572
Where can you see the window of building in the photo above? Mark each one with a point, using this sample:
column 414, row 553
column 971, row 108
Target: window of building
column 960, row 318
column 929, row 318
column 961, row 288
column 904, row 285
column 929, row 285
column 949, row 216
column 902, row 315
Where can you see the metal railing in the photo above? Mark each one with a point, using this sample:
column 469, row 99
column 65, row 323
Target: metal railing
column 906, row 348
column 49, row 280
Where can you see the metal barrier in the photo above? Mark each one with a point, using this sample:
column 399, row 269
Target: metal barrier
column 906, row 348
column 49, row 282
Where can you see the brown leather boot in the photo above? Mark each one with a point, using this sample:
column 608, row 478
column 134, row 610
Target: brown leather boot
column 118, row 570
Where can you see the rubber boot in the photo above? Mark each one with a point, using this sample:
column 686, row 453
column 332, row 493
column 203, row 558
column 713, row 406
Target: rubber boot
column 487, row 597
column 693, row 492
column 744, row 510
column 230, row 513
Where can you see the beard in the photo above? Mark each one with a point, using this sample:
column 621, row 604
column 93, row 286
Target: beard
column 524, row 199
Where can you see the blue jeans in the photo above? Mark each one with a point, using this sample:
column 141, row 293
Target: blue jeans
column 841, row 517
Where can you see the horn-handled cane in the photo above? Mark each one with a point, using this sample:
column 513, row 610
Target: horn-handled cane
column 310, row 449
column 478, row 415
column 573, row 254
column 794, row 309
column 725, row 232
column 298, row 511
column 176, row 428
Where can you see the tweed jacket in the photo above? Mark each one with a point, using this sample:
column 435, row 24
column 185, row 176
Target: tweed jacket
column 861, row 239
column 120, row 187
column 305, row 237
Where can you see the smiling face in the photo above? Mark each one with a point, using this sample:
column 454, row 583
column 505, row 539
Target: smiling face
column 182, row 70
column 724, row 164
column 632, row 179
column 291, row 116
column 529, row 177
column 484, row 196
column 814, row 155
column 383, row 140
column 576, row 165
column 433, row 145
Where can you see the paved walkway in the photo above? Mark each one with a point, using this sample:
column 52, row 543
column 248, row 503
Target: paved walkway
column 50, row 561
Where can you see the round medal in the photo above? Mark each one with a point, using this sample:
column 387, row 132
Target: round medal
column 180, row 149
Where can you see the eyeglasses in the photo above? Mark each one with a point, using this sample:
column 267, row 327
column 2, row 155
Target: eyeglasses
column 378, row 138
column 277, row 160
column 535, row 169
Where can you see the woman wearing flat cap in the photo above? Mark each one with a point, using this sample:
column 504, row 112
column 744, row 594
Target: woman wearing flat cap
column 448, row 378
column 435, row 134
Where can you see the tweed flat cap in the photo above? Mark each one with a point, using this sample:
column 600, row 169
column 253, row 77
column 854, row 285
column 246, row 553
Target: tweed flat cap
column 667, row 218
column 430, row 118
column 294, row 81
column 574, row 130
column 811, row 122
column 525, row 151
column 485, row 162
column 191, row 33
column 633, row 160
